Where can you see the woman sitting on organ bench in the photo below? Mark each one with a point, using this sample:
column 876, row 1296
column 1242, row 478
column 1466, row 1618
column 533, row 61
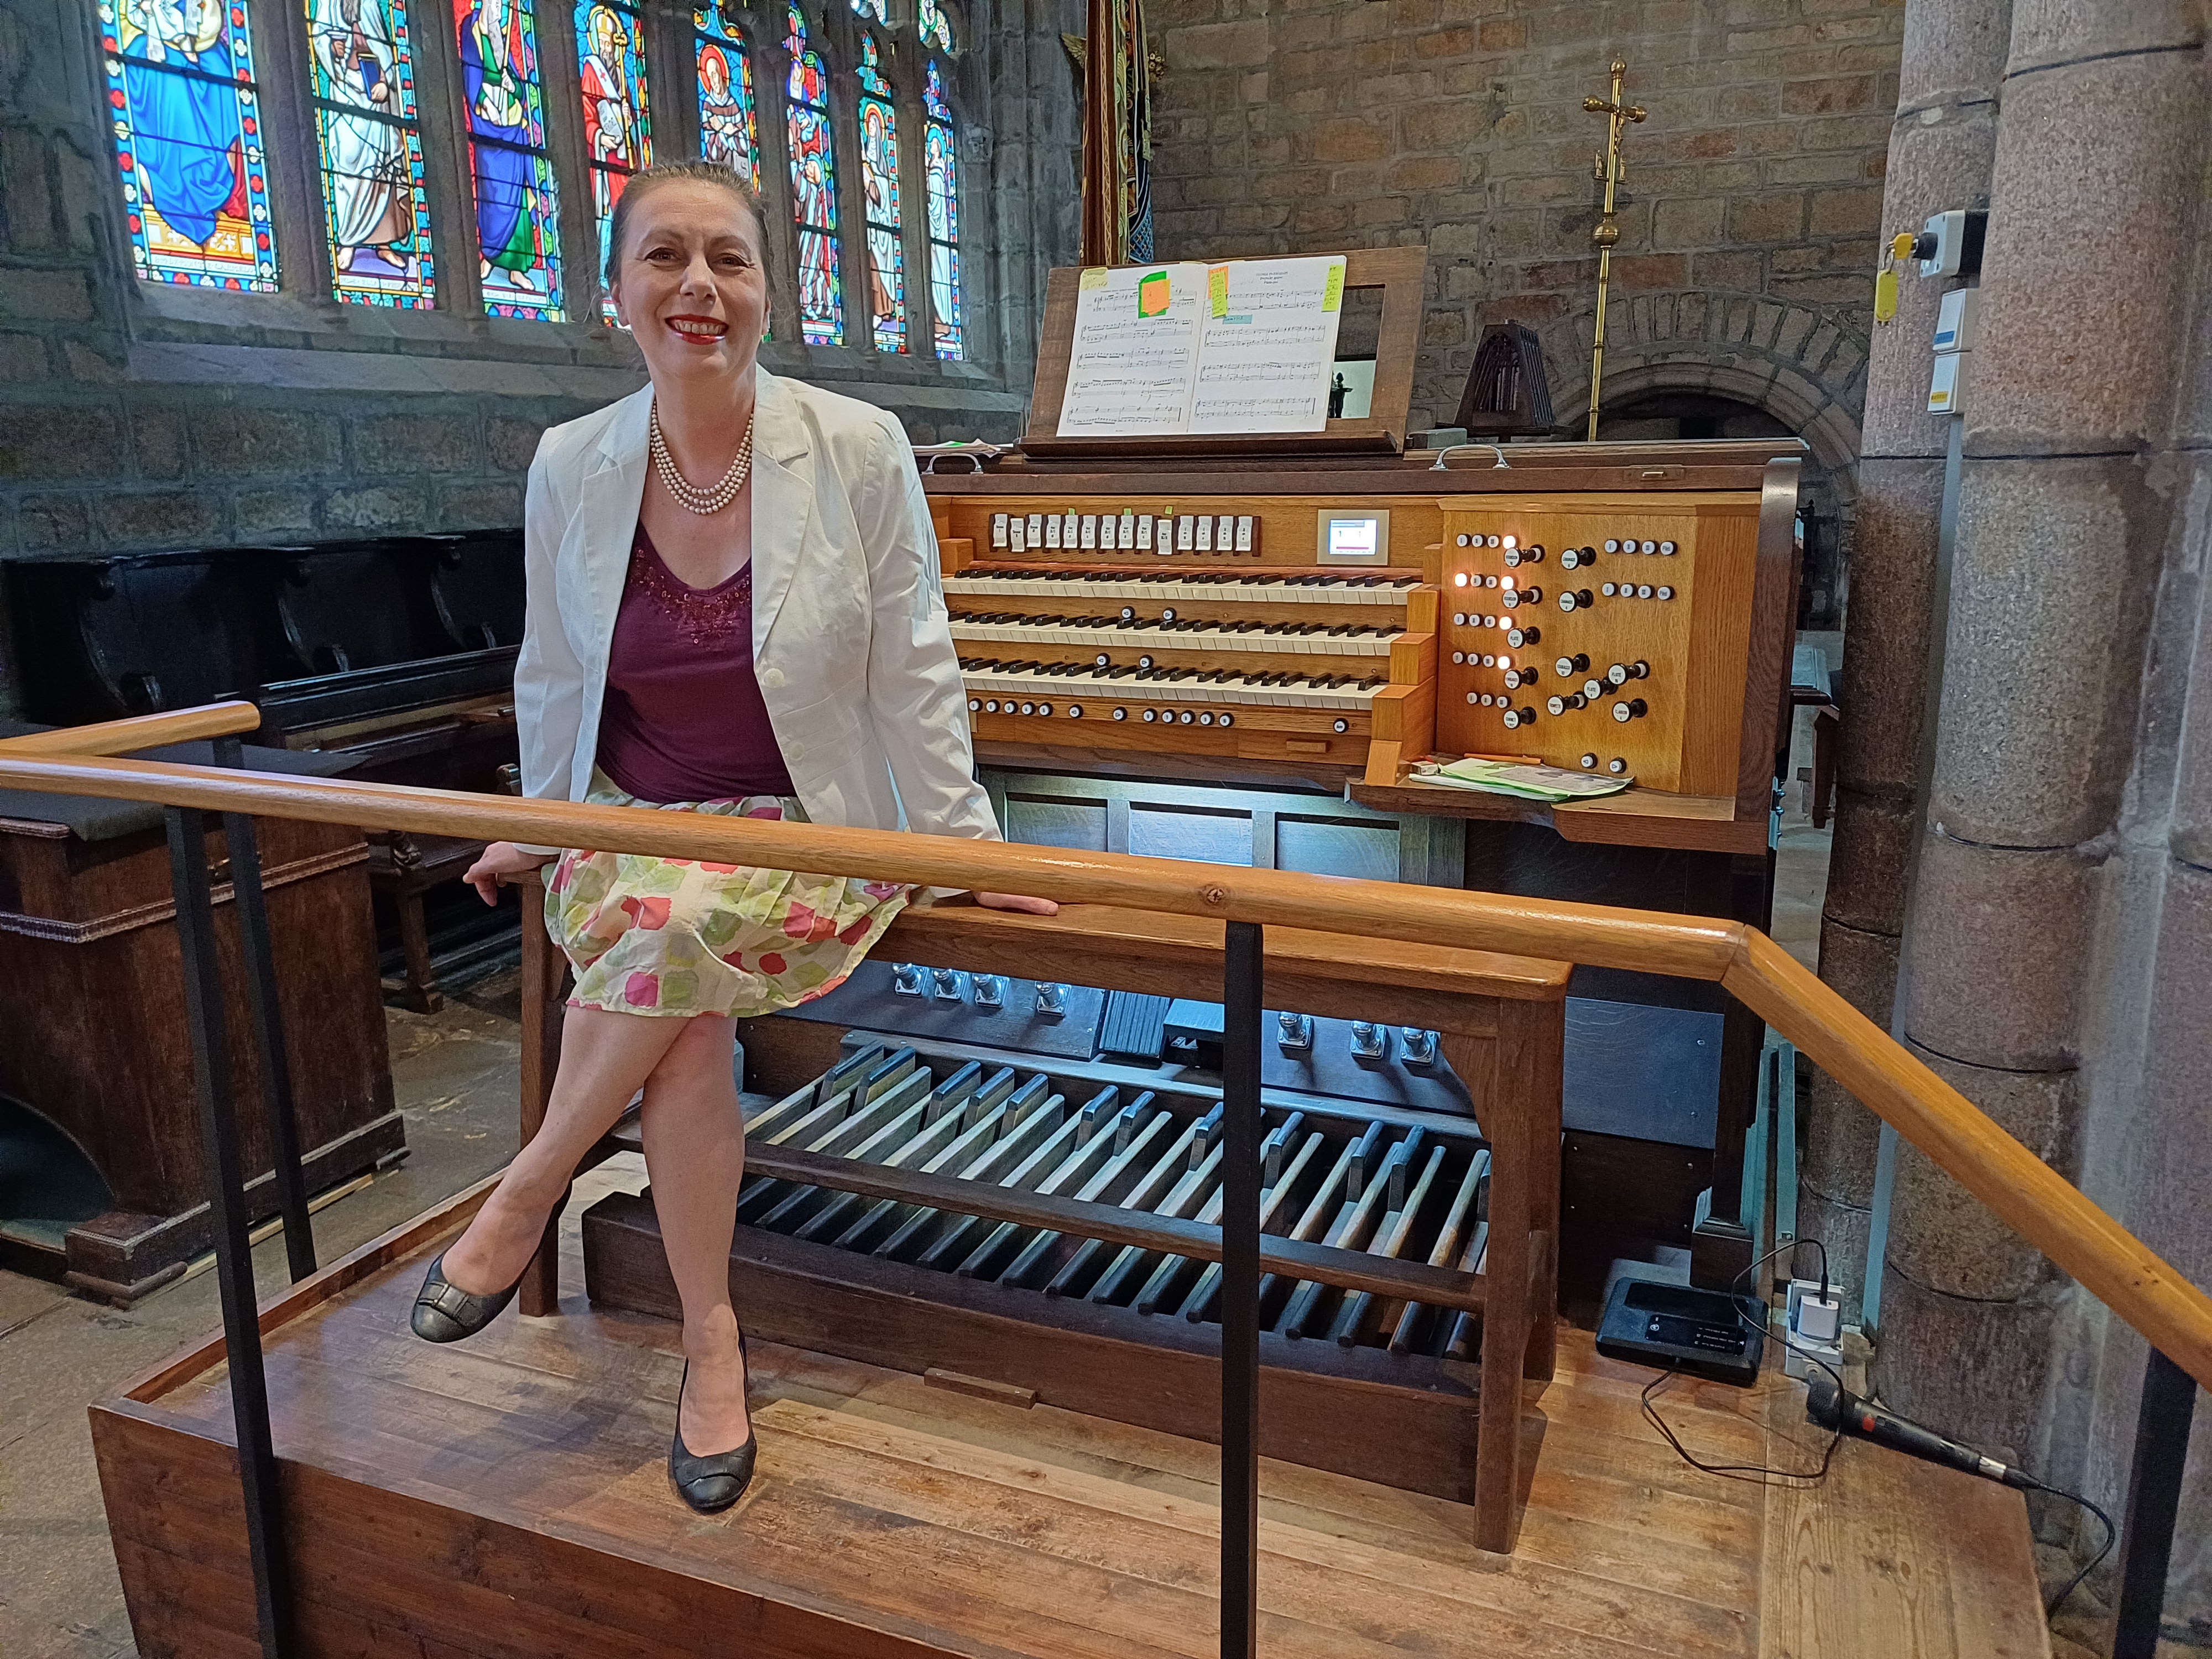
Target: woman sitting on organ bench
column 770, row 643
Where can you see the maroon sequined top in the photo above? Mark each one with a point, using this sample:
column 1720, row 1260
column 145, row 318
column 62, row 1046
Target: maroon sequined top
column 684, row 719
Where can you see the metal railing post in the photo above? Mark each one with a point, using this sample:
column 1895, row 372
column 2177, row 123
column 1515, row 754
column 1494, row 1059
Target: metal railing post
column 275, row 1065
column 226, row 1188
column 1242, row 971
column 2169, row 1400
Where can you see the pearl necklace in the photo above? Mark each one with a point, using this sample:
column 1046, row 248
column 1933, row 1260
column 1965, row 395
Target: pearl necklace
column 704, row 502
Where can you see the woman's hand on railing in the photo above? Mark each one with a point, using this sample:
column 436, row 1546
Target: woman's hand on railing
column 499, row 861
column 1036, row 907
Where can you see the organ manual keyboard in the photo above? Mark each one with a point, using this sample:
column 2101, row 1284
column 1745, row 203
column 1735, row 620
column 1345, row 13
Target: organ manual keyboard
column 1268, row 664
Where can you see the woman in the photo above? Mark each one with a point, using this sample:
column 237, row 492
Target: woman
column 771, row 641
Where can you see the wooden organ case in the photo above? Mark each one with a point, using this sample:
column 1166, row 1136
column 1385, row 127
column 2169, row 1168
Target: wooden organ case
column 1614, row 609
column 1610, row 608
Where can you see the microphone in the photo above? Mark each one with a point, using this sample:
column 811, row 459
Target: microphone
column 1834, row 1407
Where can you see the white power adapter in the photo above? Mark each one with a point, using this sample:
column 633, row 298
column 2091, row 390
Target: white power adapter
column 1814, row 1325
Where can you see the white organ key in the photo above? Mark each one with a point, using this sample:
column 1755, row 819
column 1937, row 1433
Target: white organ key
column 1127, row 532
column 1144, row 532
column 1089, row 530
column 1068, row 531
column 1036, row 530
column 1224, row 532
column 1035, row 683
column 1076, row 637
column 1186, row 527
column 1018, row 533
column 1205, row 532
column 1051, row 532
column 1104, row 584
column 1244, row 533
column 998, row 530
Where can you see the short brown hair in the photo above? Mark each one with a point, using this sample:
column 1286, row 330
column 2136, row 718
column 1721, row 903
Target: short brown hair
column 661, row 172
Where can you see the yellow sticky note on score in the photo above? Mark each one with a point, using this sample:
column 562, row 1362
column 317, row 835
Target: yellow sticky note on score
column 1331, row 291
column 1217, row 289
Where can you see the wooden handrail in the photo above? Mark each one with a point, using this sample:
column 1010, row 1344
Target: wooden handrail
column 1685, row 946
column 2031, row 1197
column 2026, row 1193
column 124, row 737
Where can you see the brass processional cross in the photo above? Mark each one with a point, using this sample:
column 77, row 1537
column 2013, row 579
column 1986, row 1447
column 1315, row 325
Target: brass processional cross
column 1606, row 169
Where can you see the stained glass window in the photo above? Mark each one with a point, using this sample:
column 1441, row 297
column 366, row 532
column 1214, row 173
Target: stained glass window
column 369, row 150
column 188, row 124
column 729, row 130
column 518, row 209
column 617, row 124
column 880, row 192
column 942, row 174
column 874, row 9
column 813, row 189
column 937, row 25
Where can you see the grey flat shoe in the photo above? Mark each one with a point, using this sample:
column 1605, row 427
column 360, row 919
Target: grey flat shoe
column 444, row 1312
column 710, row 1485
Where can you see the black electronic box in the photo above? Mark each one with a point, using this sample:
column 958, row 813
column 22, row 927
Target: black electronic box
column 1706, row 1333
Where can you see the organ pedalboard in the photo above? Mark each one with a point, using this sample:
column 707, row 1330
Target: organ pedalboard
column 1370, row 1146
column 1331, row 1174
column 1357, row 633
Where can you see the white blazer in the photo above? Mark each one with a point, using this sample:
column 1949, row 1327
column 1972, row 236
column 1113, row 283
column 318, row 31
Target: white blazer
column 851, row 642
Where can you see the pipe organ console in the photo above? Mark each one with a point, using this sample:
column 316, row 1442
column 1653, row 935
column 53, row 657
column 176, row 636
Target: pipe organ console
column 1624, row 610
column 1333, row 622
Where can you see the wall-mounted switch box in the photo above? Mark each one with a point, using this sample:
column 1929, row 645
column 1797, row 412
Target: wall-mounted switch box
column 1950, row 244
column 1947, row 387
column 1958, row 320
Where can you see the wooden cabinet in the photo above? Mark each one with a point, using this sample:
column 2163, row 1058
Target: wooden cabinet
column 93, row 1035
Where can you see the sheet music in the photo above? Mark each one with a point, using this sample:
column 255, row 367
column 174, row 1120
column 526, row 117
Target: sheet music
column 1133, row 359
column 1268, row 345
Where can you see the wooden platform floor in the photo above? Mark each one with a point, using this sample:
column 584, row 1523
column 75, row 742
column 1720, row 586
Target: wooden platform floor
column 975, row 1528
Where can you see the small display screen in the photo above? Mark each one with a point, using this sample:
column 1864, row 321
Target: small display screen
column 1353, row 538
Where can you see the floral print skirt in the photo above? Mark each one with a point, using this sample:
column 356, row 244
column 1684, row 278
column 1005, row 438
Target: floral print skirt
column 678, row 937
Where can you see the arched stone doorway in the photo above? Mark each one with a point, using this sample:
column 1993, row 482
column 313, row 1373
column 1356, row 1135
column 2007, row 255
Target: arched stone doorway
column 1691, row 364
column 1659, row 414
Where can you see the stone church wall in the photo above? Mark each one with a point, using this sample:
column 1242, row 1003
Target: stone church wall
column 135, row 416
column 1753, row 187
column 1752, row 194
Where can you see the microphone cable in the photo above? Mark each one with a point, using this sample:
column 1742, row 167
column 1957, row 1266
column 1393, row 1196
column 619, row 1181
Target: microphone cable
column 2112, row 1536
column 1764, row 1475
column 1758, row 1474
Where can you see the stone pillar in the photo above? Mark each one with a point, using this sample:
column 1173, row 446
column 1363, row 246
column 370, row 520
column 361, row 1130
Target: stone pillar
column 1940, row 148
column 2157, row 1151
column 2016, row 937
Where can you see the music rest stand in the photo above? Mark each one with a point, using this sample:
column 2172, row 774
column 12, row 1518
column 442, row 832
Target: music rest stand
column 1397, row 271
